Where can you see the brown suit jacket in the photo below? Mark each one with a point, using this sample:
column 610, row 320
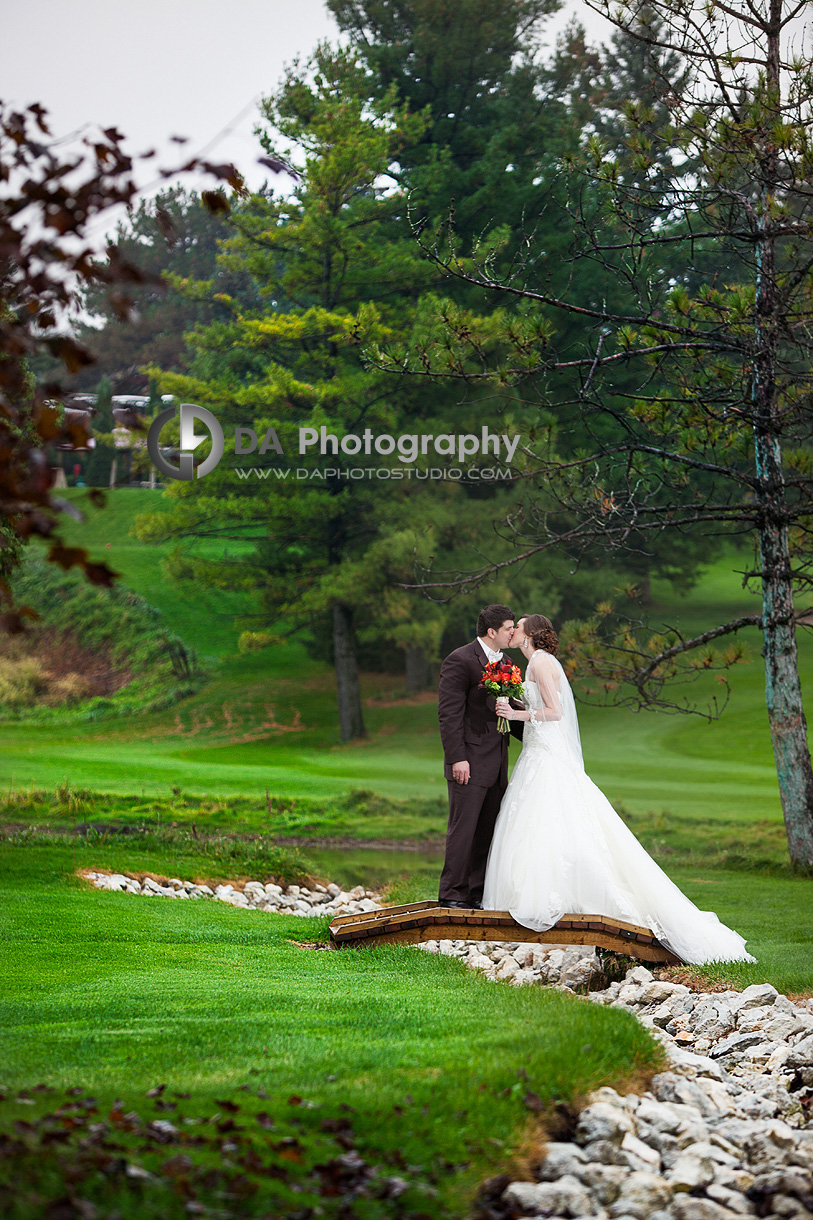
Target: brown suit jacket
column 468, row 721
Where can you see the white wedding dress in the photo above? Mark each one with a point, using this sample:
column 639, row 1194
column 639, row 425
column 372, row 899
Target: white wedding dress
column 560, row 848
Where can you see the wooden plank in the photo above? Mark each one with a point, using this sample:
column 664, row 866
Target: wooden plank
column 412, row 923
column 432, row 914
column 383, row 912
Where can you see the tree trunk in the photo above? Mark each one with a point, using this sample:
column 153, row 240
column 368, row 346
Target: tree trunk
column 417, row 670
column 783, row 690
column 783, row 696
column 351, row 720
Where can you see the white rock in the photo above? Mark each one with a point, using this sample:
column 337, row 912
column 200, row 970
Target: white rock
column 639, row 974
column 602, row 1121
column 551, row 964
column 657, row 991
column 539, row 954
column 691, row 1172
column 684, row 1207
column 731, row 1199
column 648, row 1157
column 693, row 1065
column 507, row 967
column 523, row 955
column 718, row 1094
column 710, row 1151
column 641, row 1195
column 603, row 1181
column 523, row 978
column 659, row 1115
column 560, row 1159
column 713, row 1020
column 580, row 972
column 801, row 1056
column 668, row 1086
column 567, row 1195
column 755, row 996
column 630, row 995
column 755, row 1018
column 605, row 1093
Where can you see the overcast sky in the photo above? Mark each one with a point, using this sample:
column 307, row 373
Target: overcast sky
column 157, row 68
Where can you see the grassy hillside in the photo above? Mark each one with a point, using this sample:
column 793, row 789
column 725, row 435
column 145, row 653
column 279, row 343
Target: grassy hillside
column 253, row 728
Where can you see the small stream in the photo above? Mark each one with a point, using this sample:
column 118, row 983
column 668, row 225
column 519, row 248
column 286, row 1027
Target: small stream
column 373, row 867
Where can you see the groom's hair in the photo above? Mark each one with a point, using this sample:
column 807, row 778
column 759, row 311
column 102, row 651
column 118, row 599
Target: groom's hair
column 492, row 616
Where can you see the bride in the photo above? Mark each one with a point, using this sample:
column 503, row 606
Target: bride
column 559, row 846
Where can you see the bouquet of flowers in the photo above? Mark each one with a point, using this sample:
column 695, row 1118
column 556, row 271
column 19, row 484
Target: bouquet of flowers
column 502, row 678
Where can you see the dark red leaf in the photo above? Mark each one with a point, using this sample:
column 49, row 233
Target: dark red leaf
column 100, row 574
column 215, row 202
column 67, row 556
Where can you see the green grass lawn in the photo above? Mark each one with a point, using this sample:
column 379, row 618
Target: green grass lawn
column 418, row 1065
column 254, row 727
column 117, row 995
column 205, row 621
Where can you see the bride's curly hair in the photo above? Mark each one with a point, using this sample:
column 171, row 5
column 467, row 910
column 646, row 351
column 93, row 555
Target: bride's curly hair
column 539, row 631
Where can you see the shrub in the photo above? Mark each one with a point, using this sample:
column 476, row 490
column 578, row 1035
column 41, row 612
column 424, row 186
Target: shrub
column 150, row 665
column 22, row 682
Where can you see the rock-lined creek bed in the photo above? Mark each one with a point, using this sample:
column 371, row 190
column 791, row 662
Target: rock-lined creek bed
column 726, row 1131
column 251, row 895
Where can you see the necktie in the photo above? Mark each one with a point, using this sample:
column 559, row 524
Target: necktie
column 493, row 656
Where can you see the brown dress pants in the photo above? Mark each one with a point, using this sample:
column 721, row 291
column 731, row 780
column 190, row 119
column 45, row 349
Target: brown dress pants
column 472, row 815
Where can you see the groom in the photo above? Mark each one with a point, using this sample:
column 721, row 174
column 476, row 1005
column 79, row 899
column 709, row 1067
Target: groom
column 475, row 757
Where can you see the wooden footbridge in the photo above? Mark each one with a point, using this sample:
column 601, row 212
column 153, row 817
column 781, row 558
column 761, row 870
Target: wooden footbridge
column 419, row 921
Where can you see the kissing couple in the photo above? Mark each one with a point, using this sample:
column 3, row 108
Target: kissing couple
column 548, row 843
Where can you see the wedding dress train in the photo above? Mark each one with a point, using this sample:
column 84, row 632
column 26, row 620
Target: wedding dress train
column 559, row 846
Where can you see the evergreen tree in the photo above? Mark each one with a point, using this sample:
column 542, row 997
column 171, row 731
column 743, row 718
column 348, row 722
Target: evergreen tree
column 328, row 274
column 474, row 68
column 174, row 239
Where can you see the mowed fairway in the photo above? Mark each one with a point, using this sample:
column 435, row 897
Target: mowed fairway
column 273, row 1062
column 422, row 1063
column 268, row 720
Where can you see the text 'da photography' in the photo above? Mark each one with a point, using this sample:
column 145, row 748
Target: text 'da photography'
column 406, row 585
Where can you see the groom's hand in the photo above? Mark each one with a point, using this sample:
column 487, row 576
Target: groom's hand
column 461, row 772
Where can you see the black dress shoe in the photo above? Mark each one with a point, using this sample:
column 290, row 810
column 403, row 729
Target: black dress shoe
column 458, row 906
